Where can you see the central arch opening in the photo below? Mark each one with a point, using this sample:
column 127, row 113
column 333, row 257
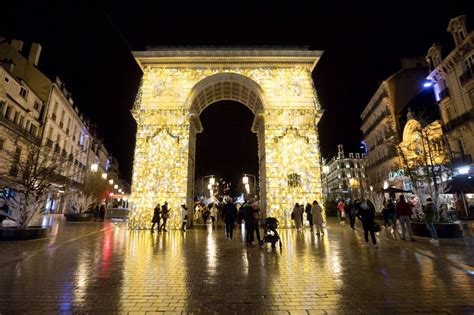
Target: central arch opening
column 226, row 150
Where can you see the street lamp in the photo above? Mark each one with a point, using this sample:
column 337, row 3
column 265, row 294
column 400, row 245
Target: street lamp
column 246, row 182
column 104, row 175
column 326, row 172
column 115, row 186
column 111, row 181
column 212, row 181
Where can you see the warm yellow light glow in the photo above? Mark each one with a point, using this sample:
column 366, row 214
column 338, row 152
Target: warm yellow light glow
column 104, row 175
column 209, row 187
column 111, row 181
column 245, row 180
column 115, row 186
column 94, row 167
column 326, row 169
column 287, row 112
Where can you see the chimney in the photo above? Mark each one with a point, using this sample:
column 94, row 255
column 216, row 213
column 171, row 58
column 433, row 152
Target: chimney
column 17, row 44
column 35, row 53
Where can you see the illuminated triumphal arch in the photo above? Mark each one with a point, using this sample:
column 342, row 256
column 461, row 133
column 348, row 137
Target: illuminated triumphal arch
column 177, row 85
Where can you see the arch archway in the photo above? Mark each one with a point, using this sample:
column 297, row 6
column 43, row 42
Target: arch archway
column 177, row 85
column 233, row 87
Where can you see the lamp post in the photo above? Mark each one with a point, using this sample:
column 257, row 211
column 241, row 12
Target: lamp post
column 210, row 184
column 249, row 188
column 326, row 172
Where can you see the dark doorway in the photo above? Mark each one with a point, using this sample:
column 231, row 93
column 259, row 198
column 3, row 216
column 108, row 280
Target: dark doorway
column 226, row 148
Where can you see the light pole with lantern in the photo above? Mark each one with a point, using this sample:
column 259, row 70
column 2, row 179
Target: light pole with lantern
column 248, row 188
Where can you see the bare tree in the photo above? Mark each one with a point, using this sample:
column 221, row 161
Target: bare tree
column 32, row 171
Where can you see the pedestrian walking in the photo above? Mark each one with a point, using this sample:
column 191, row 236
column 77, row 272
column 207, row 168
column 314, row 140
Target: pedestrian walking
column 256, row 220
column 164, row 215
column 317, row 214
column 340, row 206
column 156, row 217
column 102, row 213
column 247, row 212
column 96, row 212
column 309, row 216
column 366, row 214
column 230, row 216
column 385, row 215
column 431, row 216
column 351, row 212
column 297, row 216
column 391, row 211
column 213, row 213
column 184, row 217
column 404, row 212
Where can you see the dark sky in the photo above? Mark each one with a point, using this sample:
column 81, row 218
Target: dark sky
column 88, row 45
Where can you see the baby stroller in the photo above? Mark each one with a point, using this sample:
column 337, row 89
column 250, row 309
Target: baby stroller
column 270, row 234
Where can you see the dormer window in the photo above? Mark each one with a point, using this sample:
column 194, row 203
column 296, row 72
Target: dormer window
column 461, row 35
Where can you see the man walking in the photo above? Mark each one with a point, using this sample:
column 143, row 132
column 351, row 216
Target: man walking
column 351, row 212
column 164, row 216
column 404, row 212
column 230, row 215
column 156, row 217
column 431, row 216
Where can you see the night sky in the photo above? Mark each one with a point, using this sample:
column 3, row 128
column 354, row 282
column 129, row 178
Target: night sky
column 88, row 46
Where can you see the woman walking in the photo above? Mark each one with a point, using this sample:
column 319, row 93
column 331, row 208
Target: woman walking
column 317, row 214
column 297, row 215
column 156, row 217
column 184, row 217
column 213, row 213
column 367, row 216
column 309, row 216
column 164, row 216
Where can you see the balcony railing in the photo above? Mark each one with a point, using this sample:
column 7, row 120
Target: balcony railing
column 376, row 122
column 466, row 76
column 49, row 143
column 458, row 121
column 444, row 93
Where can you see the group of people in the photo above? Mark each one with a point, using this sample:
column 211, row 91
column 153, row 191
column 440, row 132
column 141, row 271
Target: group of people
column 402, row 212
column 314, row 215
column 160, row 213
column 99, row 213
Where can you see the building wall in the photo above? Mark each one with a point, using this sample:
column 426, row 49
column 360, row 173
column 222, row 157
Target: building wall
column 454, row 88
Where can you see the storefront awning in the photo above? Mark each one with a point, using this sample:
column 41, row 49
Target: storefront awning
column 459, row 184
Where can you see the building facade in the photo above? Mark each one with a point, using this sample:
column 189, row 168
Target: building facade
column 453, row 83
column 20, row 120
column 381, row 124
column 43, row 112
column 345, row 176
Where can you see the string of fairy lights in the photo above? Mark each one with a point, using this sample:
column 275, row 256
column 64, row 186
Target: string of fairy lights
column 164, row 128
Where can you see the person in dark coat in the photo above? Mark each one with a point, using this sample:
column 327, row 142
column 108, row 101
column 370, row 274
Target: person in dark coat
column 350, row 210
column 249, row 222
column 102, row 213
column 431, row 216
column 391, row 211
column 156, row 217
column 404, row 214
column 230, row 216
column 96, row 212
column 164, row 215
column 309, row 215
column 367, row 215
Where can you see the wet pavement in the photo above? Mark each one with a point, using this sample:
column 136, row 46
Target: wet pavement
column 103, row 267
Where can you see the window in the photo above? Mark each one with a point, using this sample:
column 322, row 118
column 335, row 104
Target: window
column 8, row 112
column 2, row 104
column 23, row 92
column 7, row 79
column 37, row 105
column 22, row 120
column 15, row 117
column 2, row 143
column 33, row 129
column 470, row 62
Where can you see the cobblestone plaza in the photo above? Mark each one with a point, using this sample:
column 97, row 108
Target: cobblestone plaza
column 105, row 268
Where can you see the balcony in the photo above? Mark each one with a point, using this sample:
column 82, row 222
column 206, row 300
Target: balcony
column 466, row 76
column 376, row 122
column 458, row 121
column 444, row 93
column 49, row 143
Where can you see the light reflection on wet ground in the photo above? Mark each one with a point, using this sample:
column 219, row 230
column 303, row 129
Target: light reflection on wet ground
column 104, row 267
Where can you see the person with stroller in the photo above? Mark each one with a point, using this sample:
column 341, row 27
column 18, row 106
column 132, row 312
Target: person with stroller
column 156, row 217
column 317, row 213
column 230, row 215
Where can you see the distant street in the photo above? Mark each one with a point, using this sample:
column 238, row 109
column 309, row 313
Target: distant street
column 98, row 267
